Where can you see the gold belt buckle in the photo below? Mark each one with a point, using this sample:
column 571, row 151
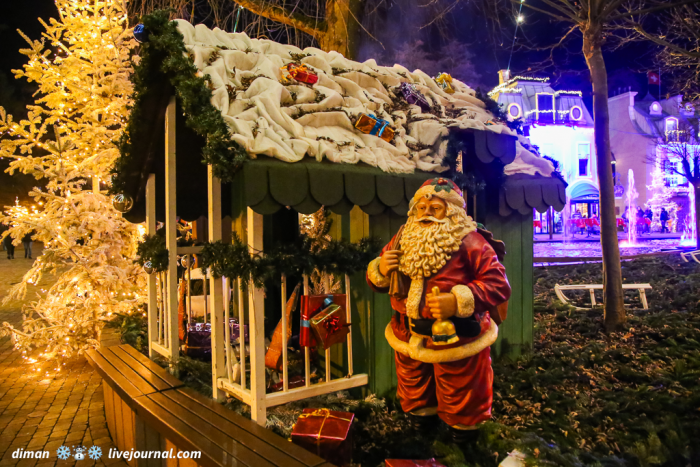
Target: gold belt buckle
column 411, row 326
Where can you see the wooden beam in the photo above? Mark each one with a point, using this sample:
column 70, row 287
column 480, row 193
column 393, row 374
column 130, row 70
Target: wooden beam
column 172, row 336
column 256, row 307
column 339, row 384
column 152, row 292
column 218, row 365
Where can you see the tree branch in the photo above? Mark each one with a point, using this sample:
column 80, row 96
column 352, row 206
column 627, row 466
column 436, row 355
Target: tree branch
column 662, row 42
column 651, row 9
column 548, row 13
column 282, row 15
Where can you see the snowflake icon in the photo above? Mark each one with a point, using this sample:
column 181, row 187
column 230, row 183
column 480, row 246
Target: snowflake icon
column 63, row 453
column 95, row 452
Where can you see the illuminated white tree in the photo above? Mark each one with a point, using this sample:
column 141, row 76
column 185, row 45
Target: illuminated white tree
column 661, row 198
column 82, row 67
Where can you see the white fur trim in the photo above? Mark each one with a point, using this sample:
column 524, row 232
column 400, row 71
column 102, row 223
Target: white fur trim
column 414, row 347
column 465, row 300
column 451, row 196
column 375, row 275
column 415, row 293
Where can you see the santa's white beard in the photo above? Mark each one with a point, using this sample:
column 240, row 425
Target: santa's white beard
column 427, row 248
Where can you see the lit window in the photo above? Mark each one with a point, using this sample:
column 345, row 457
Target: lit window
column 584, row 157
column 655, row 108
column 576, row 113
column 545, row 108
column 672, row 178
column 671, row 129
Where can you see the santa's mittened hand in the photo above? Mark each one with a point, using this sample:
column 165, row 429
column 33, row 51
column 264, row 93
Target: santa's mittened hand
column 442, row 306
column 389, row 262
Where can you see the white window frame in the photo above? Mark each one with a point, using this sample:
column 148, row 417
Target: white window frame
column 553, row 109
column 571, row 113
column 520, row 111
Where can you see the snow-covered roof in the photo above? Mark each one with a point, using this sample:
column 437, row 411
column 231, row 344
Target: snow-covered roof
column 288, row 120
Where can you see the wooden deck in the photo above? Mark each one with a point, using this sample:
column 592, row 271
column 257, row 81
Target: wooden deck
column 147, row 409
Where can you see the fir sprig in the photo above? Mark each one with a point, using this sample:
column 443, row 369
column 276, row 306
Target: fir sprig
column 152, row 249
column 164, row 58
column 233, row 260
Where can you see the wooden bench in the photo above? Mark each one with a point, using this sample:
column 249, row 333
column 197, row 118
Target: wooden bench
column 692, row 254
column 642, row 288
column 147, row 409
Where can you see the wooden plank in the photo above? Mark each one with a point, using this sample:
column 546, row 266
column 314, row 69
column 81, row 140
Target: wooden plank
column 135, row 378
column 129, row 437
column 201, row 416
column 152, row 292
column 380, row 352
column 218, row 366
column 256, row 305
column 143, row 366
column 172, row 336
column 339, row 384
column 109, row 406
column 165, row 417
column 189, row 250
column 296, row 452
column 118, row 434
column 528, row 321
column 117, row 381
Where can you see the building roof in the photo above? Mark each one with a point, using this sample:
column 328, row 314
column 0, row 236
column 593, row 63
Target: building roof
column 523, row 91
column 652, row 122
column 271, row 116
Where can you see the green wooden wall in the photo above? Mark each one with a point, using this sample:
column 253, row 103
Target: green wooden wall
column 515, row 333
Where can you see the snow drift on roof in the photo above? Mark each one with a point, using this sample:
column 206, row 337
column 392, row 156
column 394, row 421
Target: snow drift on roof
column 288, row 120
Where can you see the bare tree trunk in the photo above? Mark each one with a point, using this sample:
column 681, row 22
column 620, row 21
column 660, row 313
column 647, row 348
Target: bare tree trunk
column 342, row 30
column 338, row 31
column 614, row 307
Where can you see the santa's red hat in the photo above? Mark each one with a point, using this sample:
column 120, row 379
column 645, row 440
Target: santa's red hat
column 441, row 187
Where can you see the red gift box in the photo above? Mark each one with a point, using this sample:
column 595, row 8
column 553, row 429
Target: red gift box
column 302, row 74
column 311, row 305
column 329, row 326
column 412, row 463
column 326, row 433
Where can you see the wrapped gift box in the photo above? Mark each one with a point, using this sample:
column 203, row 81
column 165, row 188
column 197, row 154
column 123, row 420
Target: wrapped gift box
column 330, row 326
column 199, row 338
column 326, row 433
column 371, row 125
column 311, row 305
column 444, row 80
column 413, row 96
column 412, row 463
column 301, row 73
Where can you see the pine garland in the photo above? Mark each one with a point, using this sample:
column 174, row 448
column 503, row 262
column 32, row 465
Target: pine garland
column 233, row 260
column 152, row 249
column 164, row 57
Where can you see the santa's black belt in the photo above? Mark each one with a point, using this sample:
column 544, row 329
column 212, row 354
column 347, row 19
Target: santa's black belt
column 466, row 327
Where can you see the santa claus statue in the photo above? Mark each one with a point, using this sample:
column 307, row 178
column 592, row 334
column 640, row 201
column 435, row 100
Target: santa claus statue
column 454, row 276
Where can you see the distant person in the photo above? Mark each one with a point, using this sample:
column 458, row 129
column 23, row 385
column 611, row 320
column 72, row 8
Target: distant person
column 663, row 217
column 7, row 242
column 577, row 215
column 648, row 216
column 27, row 244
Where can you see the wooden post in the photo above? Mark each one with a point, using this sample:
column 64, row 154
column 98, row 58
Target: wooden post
column 550, row 223
column 256, row 301
column 152, row 292
column 218, row 368
column 173, row 339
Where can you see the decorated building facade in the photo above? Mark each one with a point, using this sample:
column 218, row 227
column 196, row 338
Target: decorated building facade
column 559, row 124
column 644, row 135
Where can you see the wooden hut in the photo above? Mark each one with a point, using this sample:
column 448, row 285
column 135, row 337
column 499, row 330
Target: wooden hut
column 292, row 163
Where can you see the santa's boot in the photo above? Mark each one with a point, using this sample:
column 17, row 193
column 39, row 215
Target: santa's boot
column 464, row 435
column 424, row 419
